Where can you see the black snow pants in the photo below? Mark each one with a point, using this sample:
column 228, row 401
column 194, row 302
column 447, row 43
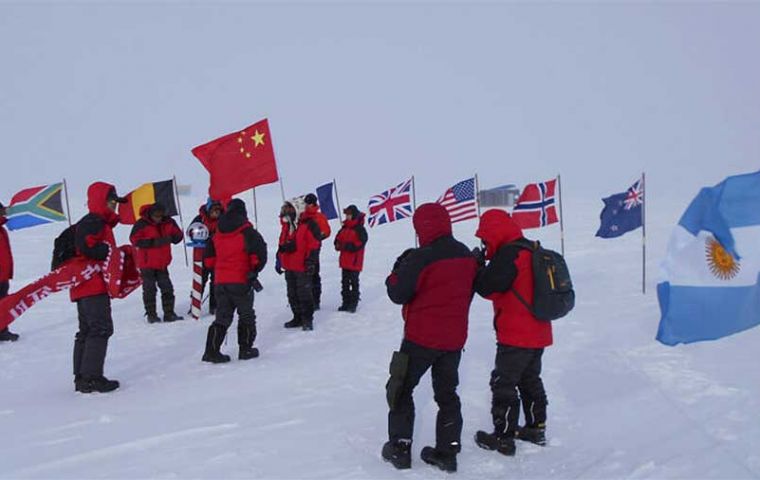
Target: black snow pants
column 350, row 287
column 300, row 295
column 91, row 341
column 152, row 278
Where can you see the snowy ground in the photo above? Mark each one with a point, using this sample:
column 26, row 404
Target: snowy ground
column 313, row 405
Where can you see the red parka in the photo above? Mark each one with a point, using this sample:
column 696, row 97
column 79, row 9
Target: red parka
column 94, row 237
column 299, row 245
column 509, row 268
column 434, row 283
column 6, row 256
column 350, row 242
column 153, row 240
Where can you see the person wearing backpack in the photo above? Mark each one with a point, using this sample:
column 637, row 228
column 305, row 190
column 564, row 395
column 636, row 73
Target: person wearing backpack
column 93, row 239
column 153, row 236
column 507, row 280
column 6, row 270
column 350, row 242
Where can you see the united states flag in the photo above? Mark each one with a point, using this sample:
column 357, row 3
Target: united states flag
column 460, row 202
column 391, row 205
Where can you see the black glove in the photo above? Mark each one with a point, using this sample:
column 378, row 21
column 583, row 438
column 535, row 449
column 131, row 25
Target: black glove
column 401, row 258
column 277, row 265
column 311, row 268
column 480, row 256
column 257, row 286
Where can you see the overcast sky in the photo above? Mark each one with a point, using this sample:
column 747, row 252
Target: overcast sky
column 372, row 93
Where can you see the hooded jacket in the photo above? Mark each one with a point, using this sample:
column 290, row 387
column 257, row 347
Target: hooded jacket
column 6, row 256
column 434, row 283
column 324, row 225
column 509, row 268
column 94, row 237
column 237, row 253
column 299, row 246
column 204, row 218
column 153, row 240
column 350, row 242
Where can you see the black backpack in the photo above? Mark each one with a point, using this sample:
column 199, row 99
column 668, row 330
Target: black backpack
column 553, row 294
column 64, row 247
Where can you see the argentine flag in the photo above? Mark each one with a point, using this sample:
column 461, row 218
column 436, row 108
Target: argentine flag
column 711, row 288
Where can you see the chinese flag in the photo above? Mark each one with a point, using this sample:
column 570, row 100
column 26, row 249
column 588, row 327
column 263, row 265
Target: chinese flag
column 239, row 161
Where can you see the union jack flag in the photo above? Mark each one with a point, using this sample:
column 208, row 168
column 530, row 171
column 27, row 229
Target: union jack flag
column 634, row 196
column 460, row 202
column 391, row 205
column 536, row 206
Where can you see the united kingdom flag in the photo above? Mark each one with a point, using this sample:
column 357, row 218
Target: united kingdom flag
column 391, row 205
column 537, row 206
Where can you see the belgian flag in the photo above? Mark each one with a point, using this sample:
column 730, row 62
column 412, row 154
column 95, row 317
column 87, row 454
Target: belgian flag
column 148, row 194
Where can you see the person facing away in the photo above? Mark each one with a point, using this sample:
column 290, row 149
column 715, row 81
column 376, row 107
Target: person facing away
column 93, row 239
column 237, row 254
column 153, row 235
column 6, row 270
column 521, row 337
column 208, row 215
column 312, row 211
column 350, row 242
column 434, row 283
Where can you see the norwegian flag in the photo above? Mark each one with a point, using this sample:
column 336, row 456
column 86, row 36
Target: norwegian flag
column 391, row 205
column 537, row 206
column 460, row 202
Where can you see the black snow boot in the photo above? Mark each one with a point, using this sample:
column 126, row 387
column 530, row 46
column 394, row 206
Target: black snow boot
column 95, row 384
column 167, row 303
column 214, row 339
column 493, row 441
column 399, row 453
column 150, row 312
column 246, row 337
column 445, row 461
column 7, row 336
column 307, row 325
column 536, row 435
column 172, row 317
column 294, row 323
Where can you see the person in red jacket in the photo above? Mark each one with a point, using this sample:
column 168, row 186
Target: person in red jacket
column 93, row 239
column 434, row 283
column 312, row 210
column 237, row 254
column 153, row 235
column 350, row 242
column 298, row 255
column 521, row 337
column 208, row 214
column 6, row 270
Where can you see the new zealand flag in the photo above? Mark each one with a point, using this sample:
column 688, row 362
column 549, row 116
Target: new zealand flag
column 622, row 212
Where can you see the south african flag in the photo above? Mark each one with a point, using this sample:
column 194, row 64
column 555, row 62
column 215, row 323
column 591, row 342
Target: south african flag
column 36, row 206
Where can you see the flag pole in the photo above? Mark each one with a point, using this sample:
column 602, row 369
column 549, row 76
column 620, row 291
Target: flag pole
column 66, row 195
column 181, row 222
column 414, row 209
column 477, row 194
column 337, row 200
column 643, row 235
column 255, row 209
column 561, row 216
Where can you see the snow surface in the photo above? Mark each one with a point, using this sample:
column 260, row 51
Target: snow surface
column 313, row 405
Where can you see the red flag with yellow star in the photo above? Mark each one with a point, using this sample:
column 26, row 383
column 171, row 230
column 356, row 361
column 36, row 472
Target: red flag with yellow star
column 239, row 161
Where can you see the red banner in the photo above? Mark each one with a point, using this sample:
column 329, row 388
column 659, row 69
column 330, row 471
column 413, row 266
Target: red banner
column 118, row 270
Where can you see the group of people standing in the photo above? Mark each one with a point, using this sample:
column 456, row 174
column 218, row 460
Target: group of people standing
column 436, row 283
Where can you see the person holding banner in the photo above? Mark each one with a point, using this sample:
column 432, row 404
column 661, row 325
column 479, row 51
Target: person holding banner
column 93, row 240
column 350, row 242
column 6, row 270
column 153, row 236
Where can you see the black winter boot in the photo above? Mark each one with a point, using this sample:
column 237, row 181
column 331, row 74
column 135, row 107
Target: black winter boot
column 536, row 435
column 172, row 317
column 307, row 325
column 294, row 323
column 167, row 303
column 445, row 461
column 7, row 336
column 246, row 337
column 493, row 441
column 214, row 339
column 399, row 453
column 150, row 312
column 96, row 384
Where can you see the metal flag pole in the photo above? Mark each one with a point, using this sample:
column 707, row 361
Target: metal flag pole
column 643, row 234
column 337, row 200
column 181, row 222
column 255, row 209
column 477, row 194
column 561, row 216
column 414, row 209
column 66, row 195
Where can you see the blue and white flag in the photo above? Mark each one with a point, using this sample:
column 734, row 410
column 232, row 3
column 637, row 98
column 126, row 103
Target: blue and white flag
column 326, row 203
column 712, row 264
column 623, row 212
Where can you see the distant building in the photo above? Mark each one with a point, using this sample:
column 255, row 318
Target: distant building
column 504, row 196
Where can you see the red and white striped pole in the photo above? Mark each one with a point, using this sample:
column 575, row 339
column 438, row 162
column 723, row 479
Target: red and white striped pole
column 196, row 295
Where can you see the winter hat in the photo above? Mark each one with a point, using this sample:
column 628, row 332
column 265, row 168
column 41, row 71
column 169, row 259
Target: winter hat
column 310, row 199
column 353, row 210
column 157, row 208
column 431, row 222
column 237, row 206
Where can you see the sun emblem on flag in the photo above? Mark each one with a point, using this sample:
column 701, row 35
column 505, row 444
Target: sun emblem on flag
column 257, row 139
column 722, row 264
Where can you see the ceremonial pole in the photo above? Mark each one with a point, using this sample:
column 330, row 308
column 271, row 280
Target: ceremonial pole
column 643, row 235
column 561, row 216
column 337, row 200
column 255, row 209
column 181, row 222
column 414, row 209
column 477, row 194
column 66, row 195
